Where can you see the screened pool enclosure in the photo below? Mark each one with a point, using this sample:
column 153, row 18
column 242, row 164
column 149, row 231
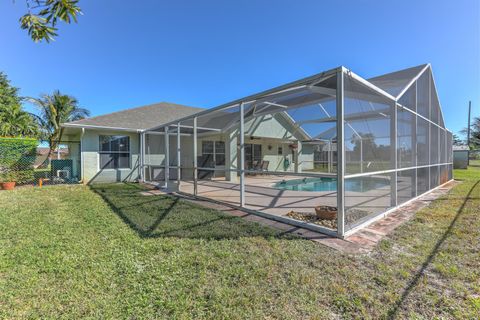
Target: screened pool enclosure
column 333, row 142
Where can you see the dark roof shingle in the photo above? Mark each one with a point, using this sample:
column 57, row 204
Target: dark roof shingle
column 140, row 118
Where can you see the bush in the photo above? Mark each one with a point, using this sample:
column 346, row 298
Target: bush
column 17, row 156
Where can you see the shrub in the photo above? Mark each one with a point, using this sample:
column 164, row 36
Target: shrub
column 17, row 156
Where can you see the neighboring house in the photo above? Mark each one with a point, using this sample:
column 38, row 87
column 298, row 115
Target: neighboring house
column 460, row 157
column 110, row 144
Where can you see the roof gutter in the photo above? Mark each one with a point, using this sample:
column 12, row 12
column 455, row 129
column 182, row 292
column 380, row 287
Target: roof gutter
column 89, row 126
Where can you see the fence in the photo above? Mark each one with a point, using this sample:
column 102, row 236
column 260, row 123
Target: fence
column 27, row 162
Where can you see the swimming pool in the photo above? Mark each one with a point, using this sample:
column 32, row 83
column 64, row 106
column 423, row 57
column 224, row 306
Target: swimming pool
column 330, row 184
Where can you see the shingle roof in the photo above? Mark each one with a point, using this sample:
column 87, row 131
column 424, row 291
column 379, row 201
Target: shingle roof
column 140, row 118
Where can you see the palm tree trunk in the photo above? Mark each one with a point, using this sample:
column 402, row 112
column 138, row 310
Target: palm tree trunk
column 52, row 146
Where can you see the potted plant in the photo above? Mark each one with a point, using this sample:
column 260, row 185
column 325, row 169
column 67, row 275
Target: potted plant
column 7, row 180
column 326, row 212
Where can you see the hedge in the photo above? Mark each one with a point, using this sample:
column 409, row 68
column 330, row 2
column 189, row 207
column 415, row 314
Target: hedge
column 17, row 156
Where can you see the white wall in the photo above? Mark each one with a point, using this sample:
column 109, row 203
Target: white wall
column 155, row 156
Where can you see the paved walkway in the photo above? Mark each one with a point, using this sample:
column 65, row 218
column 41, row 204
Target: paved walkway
column 362, row 241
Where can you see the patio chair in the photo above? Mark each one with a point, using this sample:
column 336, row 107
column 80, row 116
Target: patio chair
column 255, row 166
column 264, row 166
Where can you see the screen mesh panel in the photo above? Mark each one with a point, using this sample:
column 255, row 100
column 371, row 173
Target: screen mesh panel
column 368, row 124
column 395, row 82
column 423, row 95
column 290, row 149
column 409, row 98
column 423, row 182
column 406, row 148
column 434, row 177
column 443, row 146
column 406, row 185
column 434, row 144
column 423, row 142
column 366, row 197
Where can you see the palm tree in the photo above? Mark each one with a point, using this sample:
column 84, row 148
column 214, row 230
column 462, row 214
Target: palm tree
column 56, row 109
column 14, row 121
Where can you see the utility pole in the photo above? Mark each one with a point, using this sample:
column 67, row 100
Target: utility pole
column 468, row 130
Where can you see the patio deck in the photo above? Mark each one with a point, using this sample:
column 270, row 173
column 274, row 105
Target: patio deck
column 260, row 195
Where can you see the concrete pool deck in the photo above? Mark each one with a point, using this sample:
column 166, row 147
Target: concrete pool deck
column 260, row 195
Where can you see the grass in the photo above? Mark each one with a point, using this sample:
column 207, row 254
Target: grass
column 108, row 252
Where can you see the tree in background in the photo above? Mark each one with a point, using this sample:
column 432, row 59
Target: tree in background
column 43, row 15
column 14, row 121
column 54, row 110
column 457, row 141
column 474, row 133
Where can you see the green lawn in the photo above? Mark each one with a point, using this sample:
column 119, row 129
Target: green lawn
column 108, row 252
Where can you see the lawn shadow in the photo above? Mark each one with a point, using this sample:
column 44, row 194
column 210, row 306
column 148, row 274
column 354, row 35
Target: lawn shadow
column 160, row 216
column 392, row 314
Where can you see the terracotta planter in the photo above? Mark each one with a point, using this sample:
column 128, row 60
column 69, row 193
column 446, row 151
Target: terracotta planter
column 326, row 212
column 8, row 185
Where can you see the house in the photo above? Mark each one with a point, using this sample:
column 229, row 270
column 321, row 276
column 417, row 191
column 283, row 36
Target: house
column 110, row 144
column 335, row 139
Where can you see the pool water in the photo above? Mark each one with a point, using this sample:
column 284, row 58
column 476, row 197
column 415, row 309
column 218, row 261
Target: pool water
column 330, row 184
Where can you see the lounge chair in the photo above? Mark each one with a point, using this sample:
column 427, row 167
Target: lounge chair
column 264, row 166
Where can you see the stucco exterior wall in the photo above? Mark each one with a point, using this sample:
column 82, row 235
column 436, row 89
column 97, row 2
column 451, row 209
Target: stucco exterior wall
column 91, row 159
column 270, row 131
column 155, row 156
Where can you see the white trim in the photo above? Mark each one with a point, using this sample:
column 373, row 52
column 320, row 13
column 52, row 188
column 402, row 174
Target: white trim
column 156, row 133
column 420, row 116
column 195, row 168
column 88, row 126
column 340, row 152
column 242, row 155
column 366, row 174
column 393, row 155
column 82, row 156
column 166, row 142
column 436, row 93
column 369, row 84
column 179, row 158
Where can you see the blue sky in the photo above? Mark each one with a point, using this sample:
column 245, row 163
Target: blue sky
column 124, row 54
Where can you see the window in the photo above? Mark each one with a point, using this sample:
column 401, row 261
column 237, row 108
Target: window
column 219, row 153
column 216, row 149
column 114, row 152
column 253, row 152
column 280, row 151
column 207, row 147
